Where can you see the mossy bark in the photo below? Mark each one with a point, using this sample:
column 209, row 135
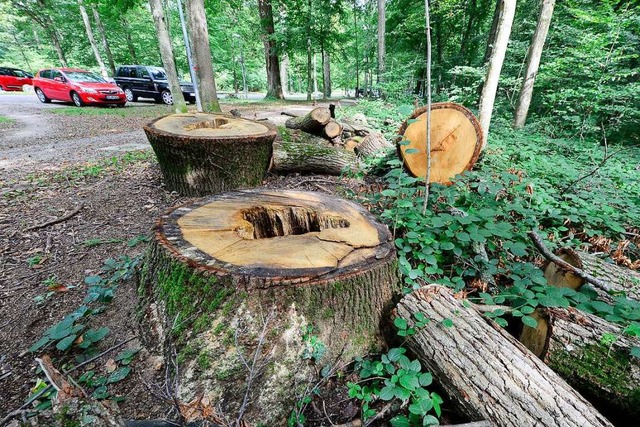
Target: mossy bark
column 592, row 355
column 198, row 157
column 222, row 309
column 489, row 374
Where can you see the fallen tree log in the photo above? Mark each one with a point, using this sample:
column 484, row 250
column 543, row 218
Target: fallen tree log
column 332, row 130
column 486, row 371
column 456, row 142
column 304, row 157
column 616, row 280
column 263, row 281
column 312, row 122
column 592, row 355
column 202, row 154
column 373, row 145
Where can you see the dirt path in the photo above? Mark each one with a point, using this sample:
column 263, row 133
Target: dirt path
column 51, row 164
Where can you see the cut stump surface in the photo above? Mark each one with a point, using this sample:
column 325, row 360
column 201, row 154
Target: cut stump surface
column 456, row 141
column 291, row 259
column 202, row 154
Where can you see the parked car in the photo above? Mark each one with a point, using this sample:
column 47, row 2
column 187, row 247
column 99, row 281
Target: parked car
column 14, row 79
column 144, row 81
column 78, row 86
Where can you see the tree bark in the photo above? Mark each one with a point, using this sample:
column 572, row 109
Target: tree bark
column 620, row 280
column 205, row 154
column 373, row 145
column 312, row 155
column 491, row 38
column 312, row 122
column 592, row 355
column 203, row 64
column 489, row 374
column 103, row 36
column 284, row 73
column 332, row 130
column 488, row 97
column 533, row 62
column 274, row 85
column 381, row 39
column 277, row 277
column 130, row 46
column 326, row 74
column 92, row 40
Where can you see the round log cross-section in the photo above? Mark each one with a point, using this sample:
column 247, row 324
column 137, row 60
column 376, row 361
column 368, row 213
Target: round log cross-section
column 456, row 141
column 283, row 276
column 202, row 154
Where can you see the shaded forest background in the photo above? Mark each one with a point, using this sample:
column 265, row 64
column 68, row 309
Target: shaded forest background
column 588, row 83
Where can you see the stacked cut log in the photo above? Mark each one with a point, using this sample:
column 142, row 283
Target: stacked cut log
column 487, row 372
column 318, row 143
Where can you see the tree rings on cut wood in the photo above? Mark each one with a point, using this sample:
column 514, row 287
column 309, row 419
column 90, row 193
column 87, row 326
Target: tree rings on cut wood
column 319, row 271
column 456, row 141
column 202, row 154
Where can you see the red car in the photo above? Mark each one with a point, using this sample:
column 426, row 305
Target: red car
column 13, row 79
column 78, row 86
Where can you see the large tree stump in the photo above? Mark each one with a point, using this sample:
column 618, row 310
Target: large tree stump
column 202, row 154
column 620, row 280
column 487, row 371
column 229, row 264
column 456, row 142
column 592, row 355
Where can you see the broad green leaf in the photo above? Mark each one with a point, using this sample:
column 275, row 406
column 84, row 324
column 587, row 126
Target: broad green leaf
column 119, row 374
column 65, row 343
column 530, row 321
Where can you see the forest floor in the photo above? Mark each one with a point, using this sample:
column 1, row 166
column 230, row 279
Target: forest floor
column 95, row 163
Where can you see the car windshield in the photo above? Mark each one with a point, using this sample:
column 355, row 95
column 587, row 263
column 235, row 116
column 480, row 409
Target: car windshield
column 84, row 77
column 158, row 73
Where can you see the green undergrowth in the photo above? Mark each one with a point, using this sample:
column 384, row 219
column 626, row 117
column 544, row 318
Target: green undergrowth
column 5, row 119
column 568, row 191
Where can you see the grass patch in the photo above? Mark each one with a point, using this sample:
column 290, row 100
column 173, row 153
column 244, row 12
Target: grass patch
column 127, row 111
column 5, row 119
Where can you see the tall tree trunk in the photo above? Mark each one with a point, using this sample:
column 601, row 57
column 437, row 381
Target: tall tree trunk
column 202, row 63
column 19, row 46
column 166, row 52
column 491, row 39
column 464, row 43
column 44, row 20
column 533, row 62
column 309, row 83
column 274, row 84
column 92, row 40
column 284, row 73
column 488, row 97
column 355, row 29
column 103, row 36
column 381, row 39
column 130, row 46
column 326, row 74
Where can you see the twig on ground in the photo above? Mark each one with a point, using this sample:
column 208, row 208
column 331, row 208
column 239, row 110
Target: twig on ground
column 284, row 113
column 56, row 221
column 379, row 415
column 539, row 244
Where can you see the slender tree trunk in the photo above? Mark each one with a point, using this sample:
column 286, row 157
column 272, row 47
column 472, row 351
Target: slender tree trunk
column 130, row 46
column 36, row 37
column 533, row 62
column 464, row 43
column 355, row 29
column 166, row 52
column 488, row 97
column 44, row 20
column 284, row 73
column 326, row 74
column 437, row 27
column 244, row 74
column 202, row 62
column 315, row 72
column 381, row 39
column 309, row 83
column 92, row 40
column 491, row 39
column 19, row 46
column 103, row 36
column 274, row 84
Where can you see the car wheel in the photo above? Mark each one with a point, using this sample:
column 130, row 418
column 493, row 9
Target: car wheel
column 41, row 96
column 166, row 97
column 129, row 94
column 76, row 99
